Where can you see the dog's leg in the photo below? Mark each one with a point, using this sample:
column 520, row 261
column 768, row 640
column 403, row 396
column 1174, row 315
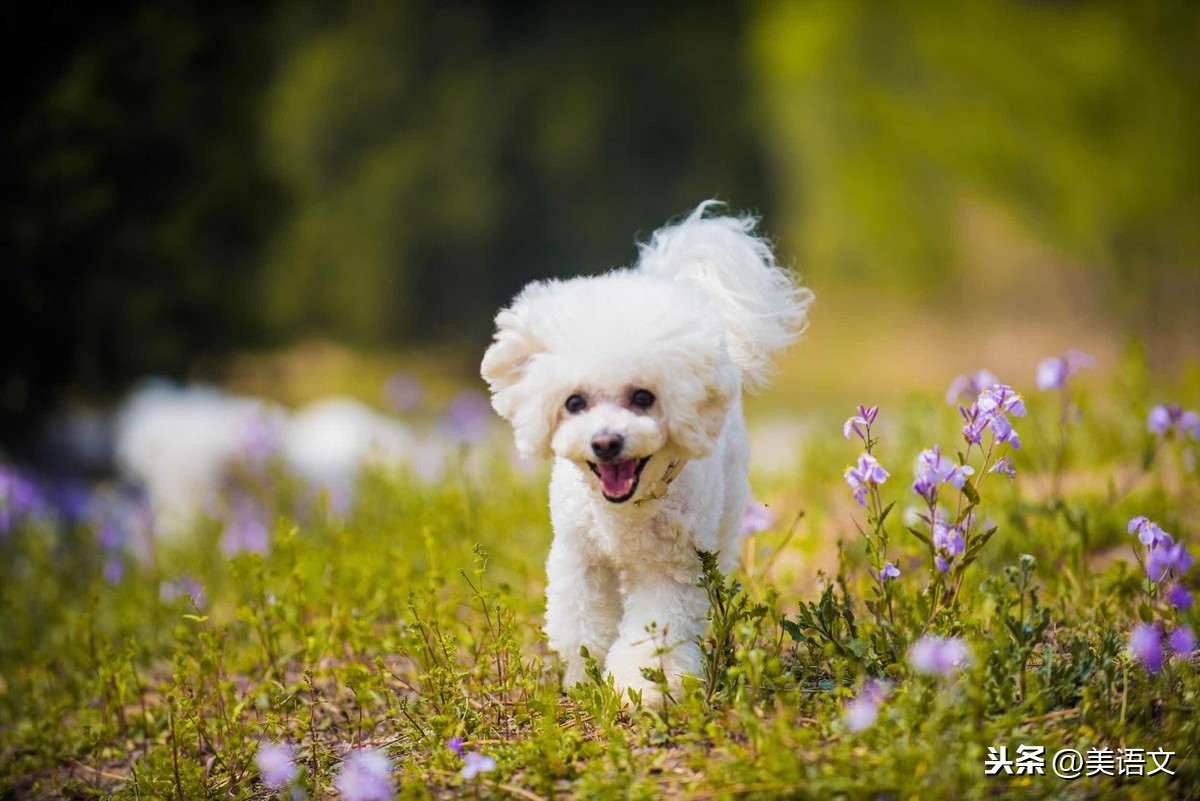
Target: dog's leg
column 664, row 618
column 583, row 607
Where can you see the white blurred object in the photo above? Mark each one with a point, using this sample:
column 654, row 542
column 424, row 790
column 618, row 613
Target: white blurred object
column 329, row 441
column 177, row 442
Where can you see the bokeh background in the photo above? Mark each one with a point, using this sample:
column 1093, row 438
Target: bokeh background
column 296, row 198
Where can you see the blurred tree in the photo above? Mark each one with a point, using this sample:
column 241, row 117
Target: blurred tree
column 188, row 179
column 192, row 178
column 137, row 204
column 441, row 155
column 1079, row 118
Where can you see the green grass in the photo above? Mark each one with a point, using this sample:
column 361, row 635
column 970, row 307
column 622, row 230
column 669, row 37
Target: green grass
column 417, row 619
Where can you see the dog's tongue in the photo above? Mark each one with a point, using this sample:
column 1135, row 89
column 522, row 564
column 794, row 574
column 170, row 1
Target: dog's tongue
column 617, row 477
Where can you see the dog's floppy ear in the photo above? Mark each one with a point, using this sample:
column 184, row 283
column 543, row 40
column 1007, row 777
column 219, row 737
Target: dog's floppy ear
column 508, row 366
column 699, row 400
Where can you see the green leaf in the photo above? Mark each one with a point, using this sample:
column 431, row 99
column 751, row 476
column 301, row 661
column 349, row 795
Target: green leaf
column 970, row 491
column 977, row 546
column 919, row 535
column 1148, row 455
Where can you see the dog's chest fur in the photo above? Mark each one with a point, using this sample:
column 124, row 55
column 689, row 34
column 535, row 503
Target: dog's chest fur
column 661, row 536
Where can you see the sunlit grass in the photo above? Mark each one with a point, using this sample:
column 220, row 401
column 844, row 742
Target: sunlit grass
column 416, row 619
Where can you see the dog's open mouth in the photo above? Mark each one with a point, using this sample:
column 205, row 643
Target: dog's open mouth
column 619, row 480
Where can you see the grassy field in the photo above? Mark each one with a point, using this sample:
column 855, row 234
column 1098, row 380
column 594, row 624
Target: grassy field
column 405, row 636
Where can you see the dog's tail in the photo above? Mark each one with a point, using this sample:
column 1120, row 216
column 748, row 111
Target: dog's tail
column 763, row 308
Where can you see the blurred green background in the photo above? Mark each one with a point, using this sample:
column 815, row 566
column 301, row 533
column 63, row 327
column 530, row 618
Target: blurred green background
column 963, row 184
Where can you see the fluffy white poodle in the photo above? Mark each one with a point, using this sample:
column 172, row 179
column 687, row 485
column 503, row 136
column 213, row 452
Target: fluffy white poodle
column 632, row 382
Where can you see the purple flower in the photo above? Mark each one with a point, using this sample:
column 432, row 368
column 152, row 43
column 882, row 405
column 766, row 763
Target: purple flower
column 1004, row 466
column 1145, row 643
column 860, row 424
column 121, row 522
column 863, row 711
column 1054, row 372
column 867, row 473
column 975, row 424
column 455, row 744
column 1051, row 373
column 1157, row 564
column 474, row 764
column 366, row 776
column 756, row 517
column 19, row 497
column 1190, row 421
column 948, row 539
column 1149, row 532
column 1004, row 432
column 114, row 570
column 403, row 392
column 1182, row 641
column 888, row 572
column 1179, row 596
column 991, row 410
column 1170, row 418
column 948, row 543
column 970, row 385
column 469, row 417
column 933, row 469
column 1159, row 421
column 1170, row 557
column 1001, row 399
column 277, row 765
column 941, row 655
column 109, row 537
column 246, row 529
column 1078, row 360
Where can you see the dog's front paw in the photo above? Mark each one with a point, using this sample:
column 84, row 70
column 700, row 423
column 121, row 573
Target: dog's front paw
column 576, row 671
column 649, row 667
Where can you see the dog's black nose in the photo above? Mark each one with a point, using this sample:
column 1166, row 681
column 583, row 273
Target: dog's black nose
column 607, row 446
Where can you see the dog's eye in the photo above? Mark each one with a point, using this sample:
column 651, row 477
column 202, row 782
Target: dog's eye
column 642, row 398
column 576, row 404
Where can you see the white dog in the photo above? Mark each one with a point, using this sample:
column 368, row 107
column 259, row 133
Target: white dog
column 632, row 381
